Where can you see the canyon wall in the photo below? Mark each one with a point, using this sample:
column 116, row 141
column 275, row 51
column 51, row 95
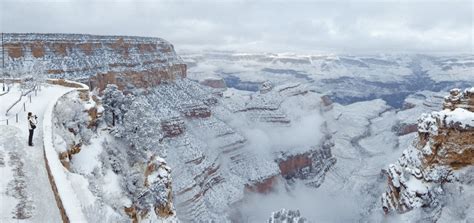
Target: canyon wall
column 201, row 133
column 215, row 165
column 443, row 154
column 95, row 60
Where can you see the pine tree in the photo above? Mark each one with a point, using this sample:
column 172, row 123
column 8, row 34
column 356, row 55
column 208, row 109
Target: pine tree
column 116, row 104
column 142, row 128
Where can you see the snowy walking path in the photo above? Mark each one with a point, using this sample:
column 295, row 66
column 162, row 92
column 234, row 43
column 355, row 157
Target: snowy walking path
column 25, row 191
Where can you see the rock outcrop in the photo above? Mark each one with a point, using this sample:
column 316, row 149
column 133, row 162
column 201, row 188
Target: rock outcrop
column 405, row 128
column 309, row 166
column 460, row 99
column 126, row 61
column 266, row 87
column 172, row 127
column 150, row 198
column 214, row 82
column 262, row 186
column 287, row 216
column 155, row 202
column 444, row 147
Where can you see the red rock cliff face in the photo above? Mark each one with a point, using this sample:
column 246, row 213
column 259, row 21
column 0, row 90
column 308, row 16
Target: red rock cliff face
column 140, row 79
column 263, row 186
column 293, row 164
column 453, row 143
column 126, row 61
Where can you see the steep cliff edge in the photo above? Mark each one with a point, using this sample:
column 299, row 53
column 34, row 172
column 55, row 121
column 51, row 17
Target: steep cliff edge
column 207, row 135
column 96, row 60
column 209, row 141
column 112, row 185
column 442, row 156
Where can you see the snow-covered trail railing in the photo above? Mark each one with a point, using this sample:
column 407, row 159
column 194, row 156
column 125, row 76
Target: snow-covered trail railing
column 5, row 92
column 19, row 99
column 66, row 199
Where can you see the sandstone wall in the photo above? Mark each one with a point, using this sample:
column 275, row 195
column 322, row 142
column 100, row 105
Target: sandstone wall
column 460, row 99
column 96, row 60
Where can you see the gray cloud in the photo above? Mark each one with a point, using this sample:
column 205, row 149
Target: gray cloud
column 299, row 26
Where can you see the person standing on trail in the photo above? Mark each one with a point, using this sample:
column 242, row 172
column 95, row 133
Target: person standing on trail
column 32, row 121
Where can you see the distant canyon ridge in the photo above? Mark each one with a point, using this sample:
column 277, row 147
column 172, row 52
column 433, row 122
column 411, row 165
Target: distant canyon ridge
column 96, row 60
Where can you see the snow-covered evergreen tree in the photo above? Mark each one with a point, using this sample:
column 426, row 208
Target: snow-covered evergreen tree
column 116, row 104
column 142, row 128
column 133, row 120
column 33, row 73
column 70, row 114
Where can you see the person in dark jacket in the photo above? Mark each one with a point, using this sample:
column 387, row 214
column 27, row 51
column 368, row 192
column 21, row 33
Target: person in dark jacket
column 32, row 121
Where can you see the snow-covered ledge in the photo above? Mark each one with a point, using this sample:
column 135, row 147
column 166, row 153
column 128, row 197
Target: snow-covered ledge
column 66, row 199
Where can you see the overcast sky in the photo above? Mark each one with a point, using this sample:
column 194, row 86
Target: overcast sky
column 418, row 26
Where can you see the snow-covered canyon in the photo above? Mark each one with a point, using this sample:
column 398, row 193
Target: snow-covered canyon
column 223, row 136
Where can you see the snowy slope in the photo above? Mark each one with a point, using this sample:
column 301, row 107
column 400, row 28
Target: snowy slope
column 221, row 148
column 313, row 133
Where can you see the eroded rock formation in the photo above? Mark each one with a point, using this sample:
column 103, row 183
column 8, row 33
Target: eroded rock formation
column 214, row 82
column 310, row 165
column 155, row 202
column 286, row 216
column 212, row 159
column 209, row 153
column 444, row 147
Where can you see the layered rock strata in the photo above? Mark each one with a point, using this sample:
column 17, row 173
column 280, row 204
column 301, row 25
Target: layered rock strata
column 444, row 149
column 212, row 161
column 96, row 60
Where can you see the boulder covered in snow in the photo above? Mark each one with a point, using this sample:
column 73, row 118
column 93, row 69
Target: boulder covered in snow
column 266, row 86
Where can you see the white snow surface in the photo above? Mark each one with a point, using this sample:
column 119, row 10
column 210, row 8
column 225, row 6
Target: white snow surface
column 87, row 160
column 416, row 186
column 460, row 116
column 14, row 138
column 66, row 192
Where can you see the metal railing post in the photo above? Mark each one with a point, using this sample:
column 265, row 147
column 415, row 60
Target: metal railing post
column 3, row 63
column 24, row 106
column 16, row 115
